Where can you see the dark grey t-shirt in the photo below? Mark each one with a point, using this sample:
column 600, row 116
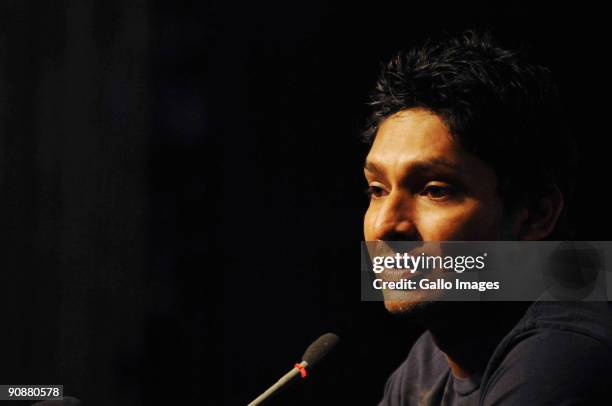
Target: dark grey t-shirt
column 557, row 354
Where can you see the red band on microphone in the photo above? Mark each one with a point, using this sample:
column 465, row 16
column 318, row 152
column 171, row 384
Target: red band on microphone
column 302, row 370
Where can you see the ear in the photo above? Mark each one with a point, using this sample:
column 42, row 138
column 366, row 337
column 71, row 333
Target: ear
column 540, row 218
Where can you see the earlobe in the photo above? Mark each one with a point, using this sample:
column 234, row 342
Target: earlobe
column 542, row 216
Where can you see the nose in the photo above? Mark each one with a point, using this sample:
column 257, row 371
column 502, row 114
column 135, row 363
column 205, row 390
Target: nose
column 394, row 219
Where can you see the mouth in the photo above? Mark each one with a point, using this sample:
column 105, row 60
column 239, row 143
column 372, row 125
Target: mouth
column 395, row 274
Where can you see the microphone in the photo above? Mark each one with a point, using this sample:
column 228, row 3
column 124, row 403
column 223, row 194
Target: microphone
column 313, row 355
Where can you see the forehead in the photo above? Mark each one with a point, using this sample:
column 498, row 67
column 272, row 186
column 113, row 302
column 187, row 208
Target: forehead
column 417, row 141
column 413, row 135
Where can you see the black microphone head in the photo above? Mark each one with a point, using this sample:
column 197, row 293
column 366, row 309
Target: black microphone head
column 319, row 349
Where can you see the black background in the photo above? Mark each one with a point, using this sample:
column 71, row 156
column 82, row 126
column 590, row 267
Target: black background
column 181, row 182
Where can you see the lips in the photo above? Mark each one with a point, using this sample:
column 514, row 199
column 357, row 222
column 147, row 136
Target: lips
column 395, row 274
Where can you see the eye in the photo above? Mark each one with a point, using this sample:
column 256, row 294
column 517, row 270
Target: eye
column 374, row 191
column 438, row 192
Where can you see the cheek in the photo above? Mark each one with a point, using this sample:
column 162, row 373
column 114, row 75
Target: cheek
column 472, row 220
column 368, row 224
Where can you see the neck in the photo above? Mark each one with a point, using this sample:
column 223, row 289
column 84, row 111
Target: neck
column 469, row 332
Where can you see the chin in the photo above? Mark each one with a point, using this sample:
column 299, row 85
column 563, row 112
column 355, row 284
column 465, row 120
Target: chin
column 411, row 308
column 400, row 306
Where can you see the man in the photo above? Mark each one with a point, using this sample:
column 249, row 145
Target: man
column 468, row 143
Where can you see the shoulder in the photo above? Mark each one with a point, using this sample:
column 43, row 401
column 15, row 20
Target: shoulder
column 593, row 319
column 562, row 352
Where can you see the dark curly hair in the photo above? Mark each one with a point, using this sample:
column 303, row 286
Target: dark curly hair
column 499, row 106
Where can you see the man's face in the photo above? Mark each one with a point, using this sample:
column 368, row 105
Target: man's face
column 425, row 187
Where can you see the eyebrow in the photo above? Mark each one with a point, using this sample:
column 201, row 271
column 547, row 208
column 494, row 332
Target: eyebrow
column 429, row 165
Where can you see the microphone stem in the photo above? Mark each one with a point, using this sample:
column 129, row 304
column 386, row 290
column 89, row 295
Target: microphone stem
column 284, row 380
